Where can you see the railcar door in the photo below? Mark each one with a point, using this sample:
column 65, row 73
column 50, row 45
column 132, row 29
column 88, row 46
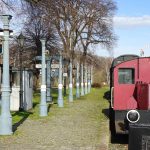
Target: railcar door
column 124, row 86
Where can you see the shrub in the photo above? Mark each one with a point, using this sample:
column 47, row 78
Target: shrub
column 96, row 85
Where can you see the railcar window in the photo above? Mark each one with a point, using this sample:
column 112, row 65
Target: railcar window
column 126, row 75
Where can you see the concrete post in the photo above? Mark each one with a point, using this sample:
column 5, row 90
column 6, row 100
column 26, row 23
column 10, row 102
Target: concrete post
column 48, row 81
column 43, row 105
column 60, row 86
column 91, row 75
column 85, row 79
column 6, row 118
column 89, row 79
column 70, row 82
column 82, row 80
column 77, row 82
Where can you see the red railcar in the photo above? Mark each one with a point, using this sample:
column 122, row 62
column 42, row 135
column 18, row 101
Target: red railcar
column 130, row 92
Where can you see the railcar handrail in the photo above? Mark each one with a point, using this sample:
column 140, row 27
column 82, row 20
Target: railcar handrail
column 112, row 89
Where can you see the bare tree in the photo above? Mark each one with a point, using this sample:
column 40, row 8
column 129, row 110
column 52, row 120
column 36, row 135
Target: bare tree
column 80, row 21
column 5, row 4
column 36, row 28
column 99, row 28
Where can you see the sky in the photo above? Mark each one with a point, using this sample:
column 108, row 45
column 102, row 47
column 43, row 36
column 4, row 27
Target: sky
column 132, row 27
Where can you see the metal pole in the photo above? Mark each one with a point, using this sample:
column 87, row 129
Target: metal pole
column 85, row 79
column 77, row 82
column 21, row 82
column 70, row 82
column 60, row 86
column 6, row 118
column 82, row 85
column 65, row 79
column 65, row 82
column 43, row 105
column 48, row 82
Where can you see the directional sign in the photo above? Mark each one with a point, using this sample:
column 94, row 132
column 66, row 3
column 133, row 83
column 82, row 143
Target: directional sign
column 39, row 66
column 53, row 66
column 65, row 74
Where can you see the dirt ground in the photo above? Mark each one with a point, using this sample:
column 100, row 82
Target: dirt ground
column 81, row 125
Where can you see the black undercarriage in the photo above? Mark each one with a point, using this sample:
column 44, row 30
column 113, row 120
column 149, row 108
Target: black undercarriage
column 119, row 123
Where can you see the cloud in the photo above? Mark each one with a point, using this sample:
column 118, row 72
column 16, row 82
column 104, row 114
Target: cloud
column 126, row 21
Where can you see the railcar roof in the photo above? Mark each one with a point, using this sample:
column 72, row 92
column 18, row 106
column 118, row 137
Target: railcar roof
column 123, row 58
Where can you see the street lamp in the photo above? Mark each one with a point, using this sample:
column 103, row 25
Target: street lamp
column 21, row 40
column 5, row 118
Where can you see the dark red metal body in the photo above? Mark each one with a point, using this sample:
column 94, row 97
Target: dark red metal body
column 136, row 95
column 125, row 95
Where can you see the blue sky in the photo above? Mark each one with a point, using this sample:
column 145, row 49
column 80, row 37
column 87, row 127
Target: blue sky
column 132, row 27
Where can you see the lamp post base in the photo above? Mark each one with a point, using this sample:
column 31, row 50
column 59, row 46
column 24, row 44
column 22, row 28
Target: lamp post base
column 70, row 98
column 5, row 125
column 77, row 91
column 60, row 96
column 43, row 110
column 82, row 89
column 60, row 103
column 86, row 89
column 70, row 93
column 49, row 99
column 77, row 95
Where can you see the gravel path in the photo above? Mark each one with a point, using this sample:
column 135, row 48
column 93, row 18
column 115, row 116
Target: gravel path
column 80, row 125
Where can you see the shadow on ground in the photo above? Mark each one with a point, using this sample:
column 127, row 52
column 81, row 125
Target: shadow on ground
column 49, row 106
column 106, row 112
column 107, row 95
column 22, row 115
column 118, row 138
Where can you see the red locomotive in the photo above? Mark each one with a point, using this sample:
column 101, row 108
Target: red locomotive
column 130, row 92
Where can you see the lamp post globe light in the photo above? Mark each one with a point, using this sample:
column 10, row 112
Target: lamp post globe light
column 20, row 40
column 43, row 105
column 5, row 118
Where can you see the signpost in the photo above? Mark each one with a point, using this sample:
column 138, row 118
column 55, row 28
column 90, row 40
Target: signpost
column 65, row 74
column 43, row 105
column 54, row 66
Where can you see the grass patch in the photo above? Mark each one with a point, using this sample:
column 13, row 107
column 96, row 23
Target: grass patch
column 95, row 95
